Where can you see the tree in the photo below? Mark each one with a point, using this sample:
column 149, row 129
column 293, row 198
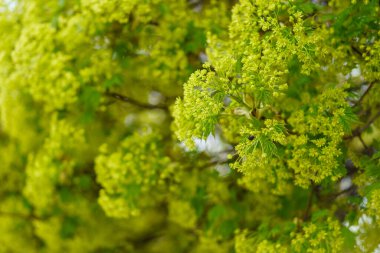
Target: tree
column 189, row 126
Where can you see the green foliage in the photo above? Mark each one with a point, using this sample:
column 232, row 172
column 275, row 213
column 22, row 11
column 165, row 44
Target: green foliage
column 189, row 126
column 137, row 169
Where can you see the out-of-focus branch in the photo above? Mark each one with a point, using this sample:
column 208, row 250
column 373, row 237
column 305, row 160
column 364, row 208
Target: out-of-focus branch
column 135, row 102
column 358, row 131
column 307, row 213
column 370, row 86
column 19, row 215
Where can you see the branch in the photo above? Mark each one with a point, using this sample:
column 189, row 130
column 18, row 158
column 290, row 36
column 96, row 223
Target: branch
column 362, row 141
column 307, row 213
column 350, row 189
column 370, row 122
column 358, row 131
column 19, row 215
column 332, row 196
column 135, row 102
column 214, row 163
column 357, row 51
column 370, row 86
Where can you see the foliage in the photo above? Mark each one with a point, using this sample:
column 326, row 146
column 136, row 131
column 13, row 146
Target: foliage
column 189, row 126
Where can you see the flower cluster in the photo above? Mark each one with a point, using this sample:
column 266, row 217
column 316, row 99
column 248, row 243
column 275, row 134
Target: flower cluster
column 129, row 175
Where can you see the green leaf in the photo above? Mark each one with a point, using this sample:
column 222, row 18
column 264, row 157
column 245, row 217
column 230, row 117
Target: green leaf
column 215, row 212
column 68, row 227
column 348, row 119
column 267, row 146
column 263, row 95
column 89, row 99
column 349, row 238
column 115, row 81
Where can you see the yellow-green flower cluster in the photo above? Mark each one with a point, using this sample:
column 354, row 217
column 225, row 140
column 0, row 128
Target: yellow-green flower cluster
column 114, row 10
column 53, row 164
column 319, row 130
column 374, row 204
column 130, row 175
column 371, row 55
column 182, row 213
column 41, row 70
column 245, row 243
column 198, row 112
column 259, row 157
column 264, row 42
column 319, row 237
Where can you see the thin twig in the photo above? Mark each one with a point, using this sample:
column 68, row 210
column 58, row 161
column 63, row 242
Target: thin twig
column 19, row 215
column 362, row 141
column 349, row 189
column 357, row 51
column 358, row 131
column 370, row 86
column 309, row 205
column 332, row 196
column 135, row 102
column 371, row 121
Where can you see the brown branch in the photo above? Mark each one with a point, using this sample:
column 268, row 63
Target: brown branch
column 332, row 196
column 357, row 51
column 309, row 205
column 352, row 188
column 214, row 163
column 358, row 131
column 370, row 122
column 19, row 215
column 370, row 86
column 362, row 141
column 135, row 102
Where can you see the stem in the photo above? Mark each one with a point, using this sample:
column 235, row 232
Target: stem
column 358, row 131
column 329, row 198
column 362, row 141
column 371, row 121
column 370, row 86
column 309, row 205
column 19, row 215
column 135, row 102
column 349, row 189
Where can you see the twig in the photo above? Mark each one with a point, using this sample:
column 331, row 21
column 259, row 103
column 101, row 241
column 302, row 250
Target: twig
column 19, row 215
column 309, row 205
column 349, row 189
column 371, row 121
column 370, row 86
column 358, row 131
column 356, row 50
column 135, row 102
column 332, row 196
column 362, row 141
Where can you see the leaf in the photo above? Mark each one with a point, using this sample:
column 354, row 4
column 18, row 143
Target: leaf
column 114, row 81
column 89, row 99
column 376, row 156
column 267, row 146
column 215, row 212
column 279, row 128
column 320, row 214
column 348, row 119
column 349, row 238
column 263, row 95
column 227, row 228
column 368, row 190
column 68, row 227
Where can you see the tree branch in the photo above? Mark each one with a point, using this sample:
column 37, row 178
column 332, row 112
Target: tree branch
column 19, row 215
column 309, row 205
column 135, row 102
column 370, row 86
column 358, row 131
